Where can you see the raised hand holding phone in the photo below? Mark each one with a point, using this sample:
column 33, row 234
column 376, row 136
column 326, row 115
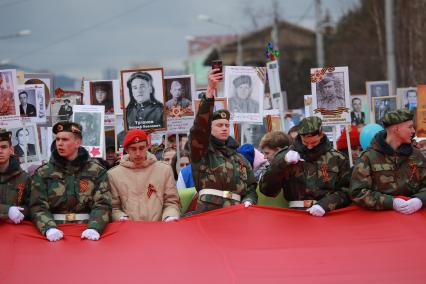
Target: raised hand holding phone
column 214, row 77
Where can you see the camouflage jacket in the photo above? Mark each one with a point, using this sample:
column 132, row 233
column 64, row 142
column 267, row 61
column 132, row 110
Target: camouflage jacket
column 78, row 186
column 381, row 173
column 14, row 189
column 216, row 164
column 323, row 176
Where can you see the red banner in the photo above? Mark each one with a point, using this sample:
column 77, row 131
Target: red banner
column 234, row 245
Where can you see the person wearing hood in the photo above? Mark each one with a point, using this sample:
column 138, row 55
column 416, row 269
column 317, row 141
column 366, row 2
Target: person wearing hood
column 142, row 187
column 14, row 183
column 313, row 175
column 391, row 173
column 70, row 188
column 222, row 176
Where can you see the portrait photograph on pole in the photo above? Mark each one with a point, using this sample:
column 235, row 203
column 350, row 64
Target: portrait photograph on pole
column 144, row 99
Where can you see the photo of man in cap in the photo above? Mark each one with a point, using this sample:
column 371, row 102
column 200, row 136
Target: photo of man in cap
column 70, row 188
column 142, row 187
column 330, row 91
column 177, row 94
column 313, row 175
column 222, row 176
column 65, row 112
column 14, row 183
column 391, row 173
column 241, row 101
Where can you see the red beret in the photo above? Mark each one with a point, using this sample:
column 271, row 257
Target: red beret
column 353, row 135
column 134, row 136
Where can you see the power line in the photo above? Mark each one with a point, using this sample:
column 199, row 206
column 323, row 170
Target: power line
column 80, row 32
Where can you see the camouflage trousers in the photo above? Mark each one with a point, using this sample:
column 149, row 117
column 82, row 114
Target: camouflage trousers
column 211, row 202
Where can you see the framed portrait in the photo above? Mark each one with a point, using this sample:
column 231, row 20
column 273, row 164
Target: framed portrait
column 8, row 84
column 251, row 133
column 378, row 89
column 91, row 119
column 219, row 103
column 383, row 105
column 180, row 92
column 144, row 99
column 120, row 132
column 275, row 123
column 32, row 107
column 25, row 143
column 273, row 103
column 330, row 95
column 360, row 110
column 244, row 89
column 62, row 108
column 407, row 98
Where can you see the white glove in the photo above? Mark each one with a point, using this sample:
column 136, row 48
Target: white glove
column 90, row 234
column 54, row 234
column 15, row 214
column 316, row 210
column 123, row 218
column 171, row 219
column 247, row 204
column 411, row 206
column 292, row 157
column 397, row 204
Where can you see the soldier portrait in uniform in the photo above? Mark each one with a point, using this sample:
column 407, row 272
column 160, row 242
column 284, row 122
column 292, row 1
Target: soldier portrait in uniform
column 383, row 105
column 179, row 94
column 90, row 123
column 61, row 109
column 244, row 90
column 143, row 99
column 331, row 92
column 252, row 133
column 101, row 93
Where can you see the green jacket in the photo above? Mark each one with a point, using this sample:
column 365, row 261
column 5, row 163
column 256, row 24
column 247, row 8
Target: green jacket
column 382, row 173
column 216, row 164
column 78, row 186
column 323, row 176
column 14, row 189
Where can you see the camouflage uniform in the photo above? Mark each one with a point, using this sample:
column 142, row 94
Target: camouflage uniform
column 216, row 164
column 322, row 176
column 78, row 186
column 382, row 173
column 14, row 189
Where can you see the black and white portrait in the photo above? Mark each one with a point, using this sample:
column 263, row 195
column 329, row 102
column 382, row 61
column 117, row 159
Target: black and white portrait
column 25, row 143
column 359, row 110
column 62, row 108
column 377, row 89
column 383, row 105
column 179, row 95
column 27, row 102
column 143, row 98
column 252, row 133
column 90, row 122
column 101, row 93
column 331, row 92
column 245, row 92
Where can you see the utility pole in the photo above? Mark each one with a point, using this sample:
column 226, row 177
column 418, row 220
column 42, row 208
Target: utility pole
column 319, row 34
column 390, row 43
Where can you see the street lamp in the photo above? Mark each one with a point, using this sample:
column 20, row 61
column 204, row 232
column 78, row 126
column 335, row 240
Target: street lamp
column 17, row 34
column 239, row 60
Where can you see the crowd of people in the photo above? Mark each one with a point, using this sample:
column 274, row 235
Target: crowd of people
column 144, row 183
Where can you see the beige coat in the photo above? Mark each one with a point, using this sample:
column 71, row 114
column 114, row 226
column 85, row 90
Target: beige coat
column 146, row 193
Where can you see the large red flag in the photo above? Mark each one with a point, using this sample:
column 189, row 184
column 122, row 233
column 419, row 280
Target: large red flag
column 233, row 245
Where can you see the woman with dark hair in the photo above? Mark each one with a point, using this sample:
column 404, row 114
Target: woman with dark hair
column 144, row 110
column 103, row 96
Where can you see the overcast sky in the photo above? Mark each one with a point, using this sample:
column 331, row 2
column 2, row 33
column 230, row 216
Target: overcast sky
column 85, row 37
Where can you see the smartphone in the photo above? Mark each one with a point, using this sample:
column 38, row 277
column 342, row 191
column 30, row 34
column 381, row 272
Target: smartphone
column 217, row 64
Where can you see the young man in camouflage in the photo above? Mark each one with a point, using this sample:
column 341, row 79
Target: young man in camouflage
column 314, row 176
column 391, row 173
column 222, row 176
column 70, row 188
column 14, row 183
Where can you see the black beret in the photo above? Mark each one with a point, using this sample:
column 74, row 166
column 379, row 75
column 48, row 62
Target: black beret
column 5, row 135
column 67, row 126
column 221, row 114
